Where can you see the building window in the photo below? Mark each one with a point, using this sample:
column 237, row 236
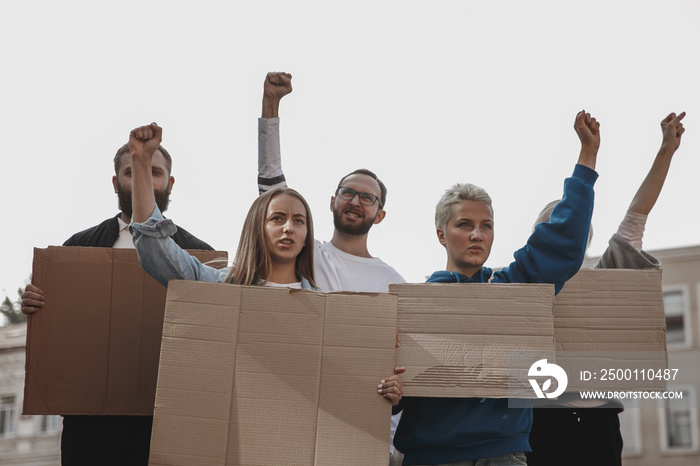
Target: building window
column 7, row 415
column 677, row 310
column 49, row 424
column 679, row 421
column 631, row 428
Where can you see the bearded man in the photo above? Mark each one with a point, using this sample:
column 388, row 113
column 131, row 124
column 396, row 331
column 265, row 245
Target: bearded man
column 114, row 232
column 114, row 440
column 343, row 263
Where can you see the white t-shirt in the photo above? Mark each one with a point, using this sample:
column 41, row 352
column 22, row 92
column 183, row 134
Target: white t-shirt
column 336, row 270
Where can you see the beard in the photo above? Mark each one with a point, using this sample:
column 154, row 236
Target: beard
column 352, row 230
column 124, row 196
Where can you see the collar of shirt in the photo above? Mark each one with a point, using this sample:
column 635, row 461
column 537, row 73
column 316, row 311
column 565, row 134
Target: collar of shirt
column 125, row 240
column 295, row 285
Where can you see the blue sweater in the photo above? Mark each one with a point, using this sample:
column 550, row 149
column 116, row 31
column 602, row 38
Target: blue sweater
column 446, row 430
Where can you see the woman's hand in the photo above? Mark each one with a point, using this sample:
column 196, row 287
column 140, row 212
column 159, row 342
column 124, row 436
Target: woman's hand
column 392, row 387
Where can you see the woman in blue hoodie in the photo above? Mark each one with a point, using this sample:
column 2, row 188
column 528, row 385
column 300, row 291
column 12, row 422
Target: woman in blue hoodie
column 461, row 431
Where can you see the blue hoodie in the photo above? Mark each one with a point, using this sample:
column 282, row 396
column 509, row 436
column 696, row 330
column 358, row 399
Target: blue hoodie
column 447, row 430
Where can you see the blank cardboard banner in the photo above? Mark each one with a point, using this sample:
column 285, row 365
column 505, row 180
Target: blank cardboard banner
column 260, row 375
column 94, row 347
column 462, row 340
column 481, row 340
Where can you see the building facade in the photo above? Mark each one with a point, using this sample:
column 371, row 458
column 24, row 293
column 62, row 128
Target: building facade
column 24, row 440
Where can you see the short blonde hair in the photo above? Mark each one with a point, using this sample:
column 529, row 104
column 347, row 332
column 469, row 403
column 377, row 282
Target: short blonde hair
column 457, row 193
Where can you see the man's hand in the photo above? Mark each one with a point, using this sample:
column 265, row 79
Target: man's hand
column 588, row 130
column 144, row 140
column 32, row 299
column 672, row 129
column 277, row 85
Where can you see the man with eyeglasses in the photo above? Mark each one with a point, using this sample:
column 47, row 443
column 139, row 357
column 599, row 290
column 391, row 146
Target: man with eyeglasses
column 343, row 263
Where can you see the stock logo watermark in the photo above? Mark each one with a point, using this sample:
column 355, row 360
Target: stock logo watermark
column 541, row 369
column 554, row 379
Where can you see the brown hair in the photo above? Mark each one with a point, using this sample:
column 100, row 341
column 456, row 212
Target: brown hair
column 123, row 150
column 364, row 171
column 253, row 263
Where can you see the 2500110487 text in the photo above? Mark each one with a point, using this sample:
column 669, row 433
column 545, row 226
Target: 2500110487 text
column 631, row 374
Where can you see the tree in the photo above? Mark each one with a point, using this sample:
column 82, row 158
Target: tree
column 12, row 311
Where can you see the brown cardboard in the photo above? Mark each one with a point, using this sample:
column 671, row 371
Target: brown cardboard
column 479, row 340
column 94, row 347
column 260, row 375
column 611, row 319
column 463, row 340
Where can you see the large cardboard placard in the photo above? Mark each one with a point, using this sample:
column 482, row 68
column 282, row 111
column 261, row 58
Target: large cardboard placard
column 94, row 347
column 463, row 340
column 260, row 375
column 481, row 340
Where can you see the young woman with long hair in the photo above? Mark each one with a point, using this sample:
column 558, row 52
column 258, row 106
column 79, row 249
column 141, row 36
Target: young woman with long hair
column 276, row 245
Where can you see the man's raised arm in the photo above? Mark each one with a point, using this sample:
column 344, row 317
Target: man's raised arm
column 270, row 175
column 143, row 142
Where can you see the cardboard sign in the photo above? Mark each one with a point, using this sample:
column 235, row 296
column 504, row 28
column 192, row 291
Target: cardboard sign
column 462, row 340
column 261, row 375
column 94, row 347
column 480, row 340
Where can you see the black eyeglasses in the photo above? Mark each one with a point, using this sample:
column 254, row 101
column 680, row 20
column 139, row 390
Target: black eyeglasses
column 348, row 194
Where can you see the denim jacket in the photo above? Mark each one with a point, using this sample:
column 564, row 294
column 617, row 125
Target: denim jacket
column 164, row 260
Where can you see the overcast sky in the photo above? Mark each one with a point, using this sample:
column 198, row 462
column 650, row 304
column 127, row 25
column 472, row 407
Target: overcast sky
column 425, row 94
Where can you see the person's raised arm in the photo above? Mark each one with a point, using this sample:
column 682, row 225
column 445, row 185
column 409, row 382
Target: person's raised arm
column 631, row 229
column 588, row 130
column 556, row 248
column 159, row 254
column 648, row 192
column 270, row 175
column 143, row 142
